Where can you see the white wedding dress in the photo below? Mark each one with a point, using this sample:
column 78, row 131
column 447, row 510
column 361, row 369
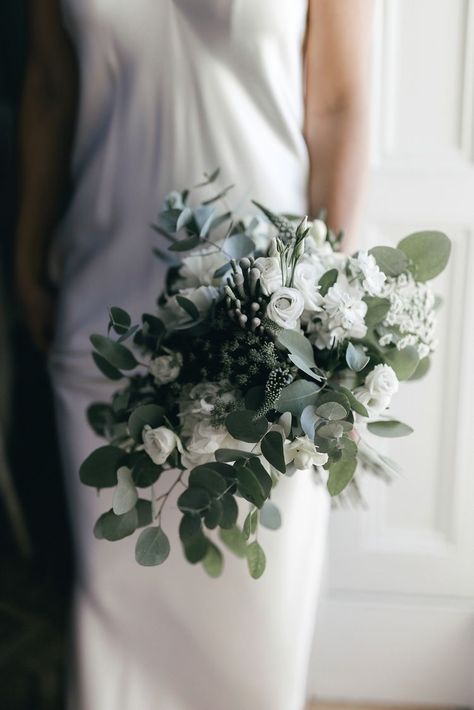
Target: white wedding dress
column 170, row 89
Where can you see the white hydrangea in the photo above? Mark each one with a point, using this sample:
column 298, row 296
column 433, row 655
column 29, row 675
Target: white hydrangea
column 342, row 316
column 365, row 269
column 411, row 319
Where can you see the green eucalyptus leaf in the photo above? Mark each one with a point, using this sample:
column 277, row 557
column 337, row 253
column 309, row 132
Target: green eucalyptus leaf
column 256, row 560
column 144, row 472
column 188, row 306
column 296, row 396
column 340, row 474
column 250, row 486
column 390, row 428
column 193, row 500
column 185, row 244
column 152, row 547
column 404, row 362
column 230, row 511
column 331, row 430
column 250, row 523
column 356, row 357
column 354, row 402
column 120, row 320
column 428, row 253
column 114, row 353
column 327, row 280
column 100, row 468
column 272, row 449
column 183, row 219
column 332, row 411
column 115, row 527
column 389, row 260
column 232, row 454
column 377, row 309
column 207, row 478
column 309, row 420
column 421, row 369
column 242, row 424
column 213, row 562
column 151, row 414
column 270, row 516
column 238, row 245
column 213, row 514
column 235, row 540
column 144, row 512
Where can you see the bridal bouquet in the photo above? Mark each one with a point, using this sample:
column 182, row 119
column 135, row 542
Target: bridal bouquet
column 269, row 351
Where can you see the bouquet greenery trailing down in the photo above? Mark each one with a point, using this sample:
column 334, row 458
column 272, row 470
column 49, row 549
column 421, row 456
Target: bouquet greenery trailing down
column 270, row 351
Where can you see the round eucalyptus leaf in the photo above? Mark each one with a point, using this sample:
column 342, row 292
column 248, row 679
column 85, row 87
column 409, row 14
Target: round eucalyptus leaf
column 213, row 562
column 115, row 353
column 272, row 448
column 144, row 472
column 193, row 500
column 230, row 511
column 238, row 245
column 354, row 402
column 270, row 516
column 106, row 368
column 100, row 468
column 340, row 474
column 183, row 219
column 232, row 454
column 188, row 306
column 390, row 428
column 332, row 411
column 309, row 420
column 120, row 320
column 196, row 548
column 404, row 362
column 377, row 309
column 242, row 424
column 331, row 430
column 356, row 357
column 125, row 494
column 150, row 414
column 213, row 514
column 235, row 540
column 421, row 369
column 327, row 280
column 185, row 244
column 144, row 512
column 296, row 396
column 250, row 523
column 189, row 527
column 428, row 253
column 153, row 547
column 256, row 560
column 209, row 479
column 115, row 527
column 297, row 344
column 250, row 486
column 254, row 397
column 389, row 260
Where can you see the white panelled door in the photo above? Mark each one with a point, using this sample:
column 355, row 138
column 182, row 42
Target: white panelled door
column 397, row 620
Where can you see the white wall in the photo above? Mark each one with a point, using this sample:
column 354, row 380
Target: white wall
column 397, row 620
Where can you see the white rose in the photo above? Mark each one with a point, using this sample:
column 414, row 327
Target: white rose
column 285, row 307
column 159, row 443
column 374, row 403
column 271, row 277
column 318, row 231
column 305, row 278
column 166, row 368
column 382, row 380
column 304, row 454
column 174, row 316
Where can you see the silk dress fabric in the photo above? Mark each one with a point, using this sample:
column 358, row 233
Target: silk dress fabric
column 170, row 89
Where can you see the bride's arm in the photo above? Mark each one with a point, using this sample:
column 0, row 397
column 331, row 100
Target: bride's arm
column 337, row 109
column 46, row 127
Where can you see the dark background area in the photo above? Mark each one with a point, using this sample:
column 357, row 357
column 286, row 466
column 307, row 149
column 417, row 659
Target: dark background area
column 35, row 550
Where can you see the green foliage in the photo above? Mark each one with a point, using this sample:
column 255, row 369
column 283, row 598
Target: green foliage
column 377, row 309
column 256, row 559
column 100, row 468
column 332, row 411
column 232, row 454
column 235, row 540
column 389, row 260
column 150, row 414
column 250, row 523
column 421, row 369
column 114, row 353
column 428, row 253
column 327, row 280
column 125, row 495
column 390, row 428
column 152, row 547
column 120, row 320
column 238, row 245
column 194, row 500
column 356, row 357
column 254, row 483
column 106, row 368
column 404, row 362
column 209, row 479
column 145, row 472
column 213, row 561
column 342, row 470
column 243, row 424
column 272, row 449
column 270, row 516
column 300, row 352
column 115, row 527
column 296, row 396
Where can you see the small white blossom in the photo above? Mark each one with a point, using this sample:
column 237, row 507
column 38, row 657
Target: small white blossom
column 365, row 267
column 285, row 307
column 303, row 453
column 343, row 315
column 166, row 368
column 159, row 443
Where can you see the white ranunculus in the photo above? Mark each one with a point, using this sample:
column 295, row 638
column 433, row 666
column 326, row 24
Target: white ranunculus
column 199, row 267
column 382, row 381
column 271, row 277
column 373, row 278
column 318, row 231
column 166, row 368
column 285, row 307
column 175, row 317
column 306, row 276
column 159, row 443
column 303, row 453
column 374, row 403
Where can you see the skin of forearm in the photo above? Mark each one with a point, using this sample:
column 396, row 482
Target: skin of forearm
column 338, row 145
column 46, row 131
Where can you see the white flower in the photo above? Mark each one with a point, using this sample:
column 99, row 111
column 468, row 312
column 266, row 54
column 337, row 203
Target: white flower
column 318, row 232
column 303, row 453
column 271, row 277
column 345, row 310
column 260, row 230
column 306, row 275
column 205, row 440
column 285, row 307
column 382, row 381
column 373, row 278
column 174, row 316
column 159, row 443
column 374, row 403
column 198, row 268
column 166, row 368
